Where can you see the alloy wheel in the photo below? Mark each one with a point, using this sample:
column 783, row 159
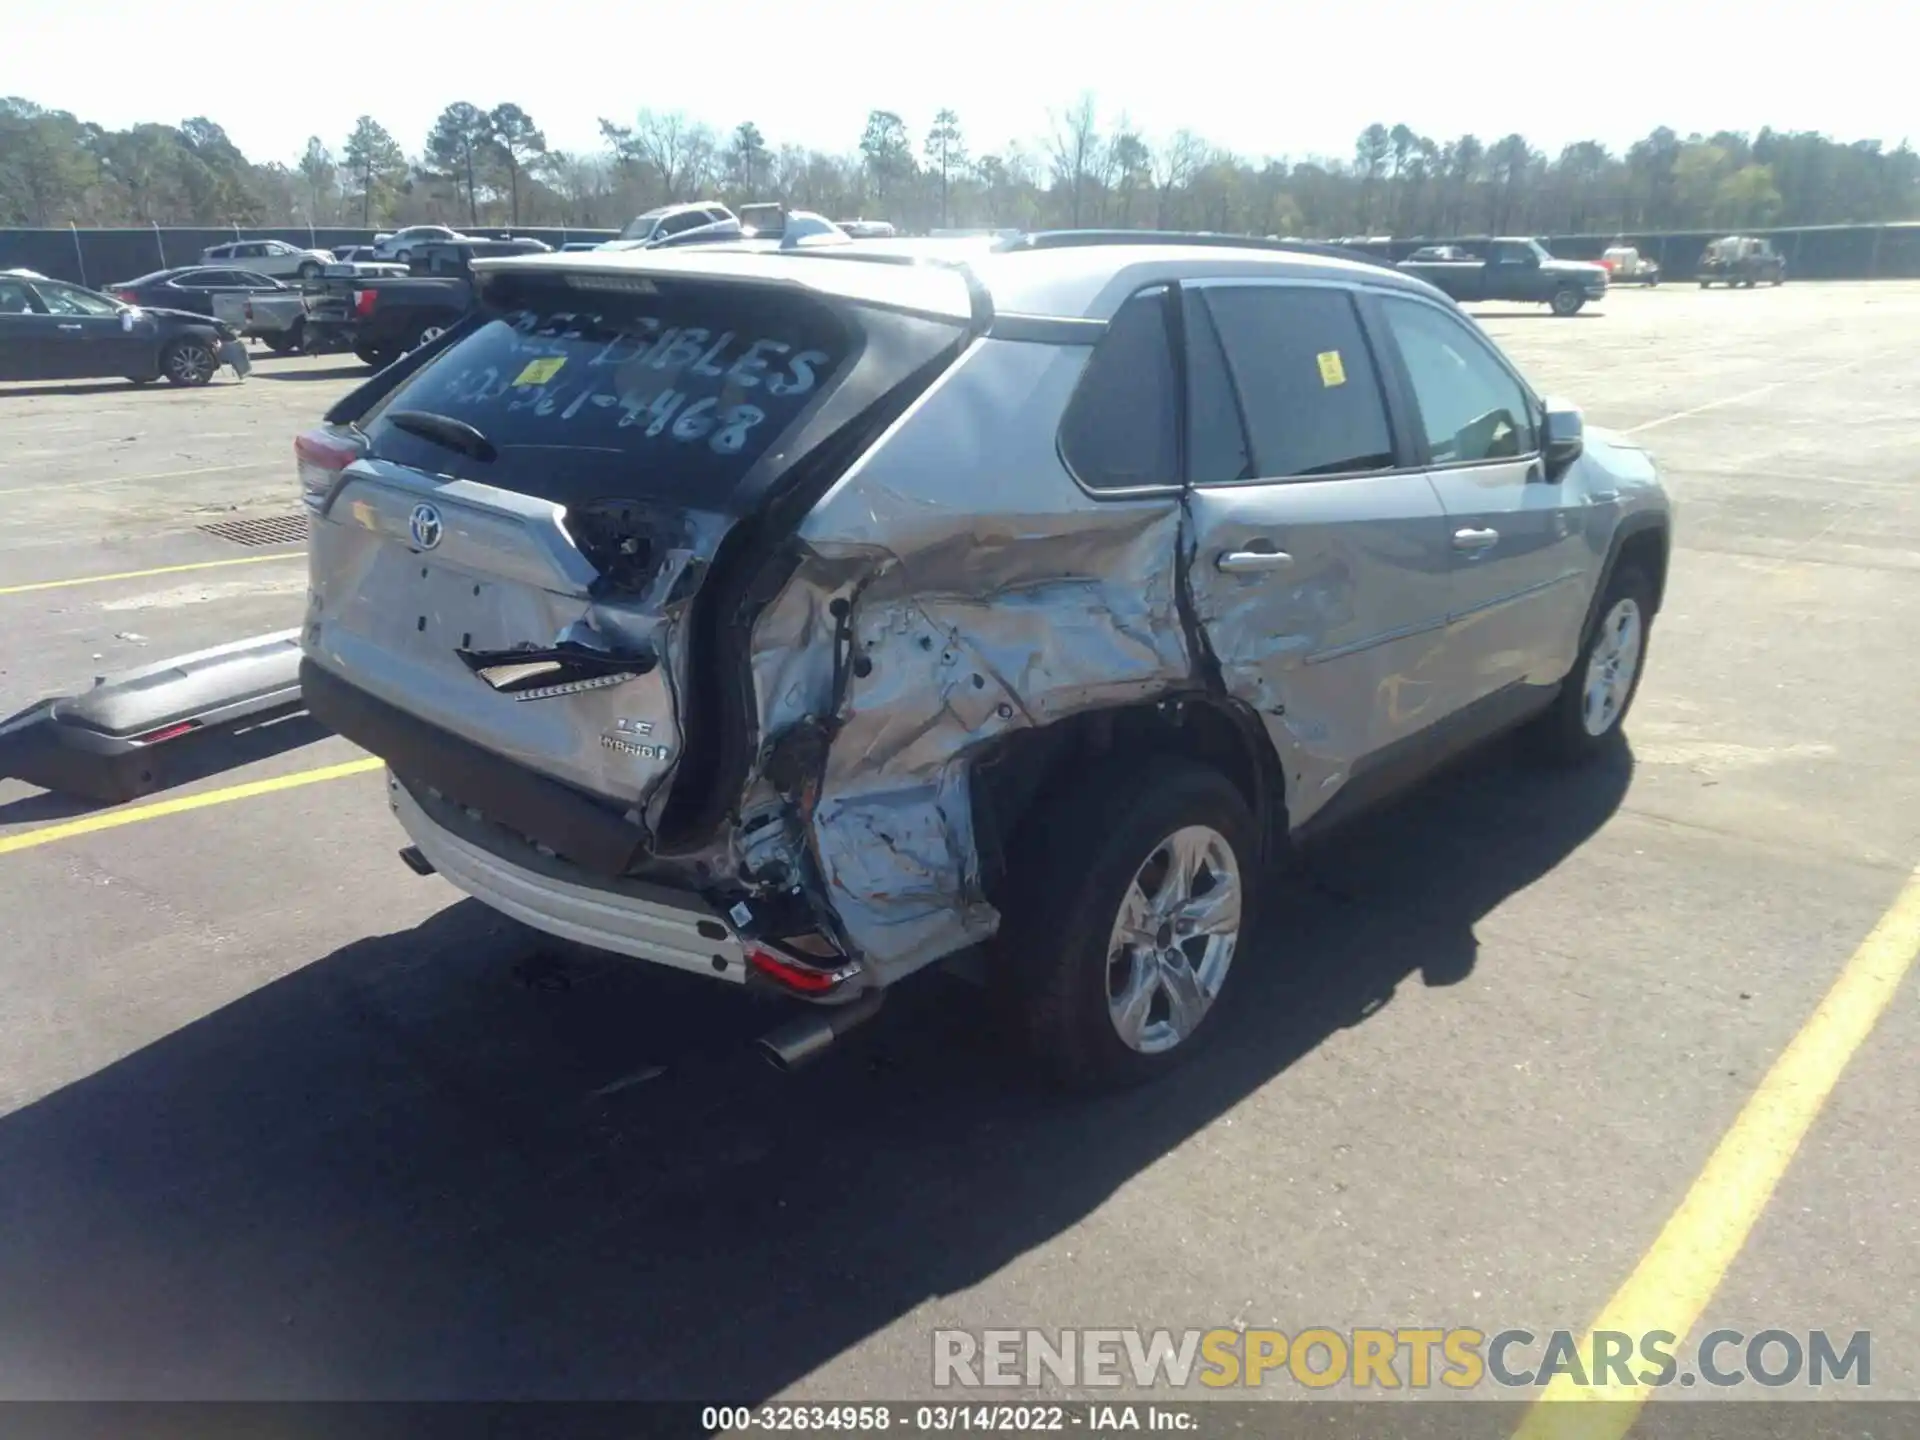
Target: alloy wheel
column 1612, row 667
column 1173, row 939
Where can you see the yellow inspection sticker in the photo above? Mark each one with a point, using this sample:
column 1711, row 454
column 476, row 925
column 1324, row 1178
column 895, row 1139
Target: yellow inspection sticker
column 1332, row 372
column 539, row 372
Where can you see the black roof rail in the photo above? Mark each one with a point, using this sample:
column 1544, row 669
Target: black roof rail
column 1070, row 239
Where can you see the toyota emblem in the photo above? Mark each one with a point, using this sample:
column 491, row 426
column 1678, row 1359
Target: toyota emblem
column 424, row 524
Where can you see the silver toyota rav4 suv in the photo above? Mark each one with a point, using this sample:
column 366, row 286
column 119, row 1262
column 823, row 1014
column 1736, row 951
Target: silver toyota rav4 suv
column 804, row 618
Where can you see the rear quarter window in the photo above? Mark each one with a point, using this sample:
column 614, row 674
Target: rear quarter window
column 1120, row 431
column 590, row 395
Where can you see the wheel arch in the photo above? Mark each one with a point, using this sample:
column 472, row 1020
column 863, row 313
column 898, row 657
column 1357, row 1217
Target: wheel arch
column 1643, row 540
column 1025, row 773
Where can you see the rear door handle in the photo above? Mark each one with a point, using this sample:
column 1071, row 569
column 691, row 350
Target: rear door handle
column 1247, row 562
column 69, row 327
column 1474, row 540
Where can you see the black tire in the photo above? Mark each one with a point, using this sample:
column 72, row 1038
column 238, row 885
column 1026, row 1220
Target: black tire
column 1562, row 734
column 1566, row 302
column 1653, row 282
column 289, row 340
column 310, row 270
column 1705, row 283
column 376, row 358
column 189, row 362
column 1077, row 859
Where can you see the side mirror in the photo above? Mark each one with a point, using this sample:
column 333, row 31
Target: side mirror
column 1562, row 438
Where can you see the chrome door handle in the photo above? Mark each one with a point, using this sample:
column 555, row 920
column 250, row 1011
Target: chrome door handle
column 69, row 327
column 1474, row 539
column 1246, row 562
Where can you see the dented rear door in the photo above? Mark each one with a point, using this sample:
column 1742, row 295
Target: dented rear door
column 1318, row 566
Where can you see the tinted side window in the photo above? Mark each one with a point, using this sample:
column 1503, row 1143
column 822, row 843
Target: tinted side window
column 13, row 299
column 1305, row 378
column 1217, row 449
column 1119, row 428
column 1470, row 407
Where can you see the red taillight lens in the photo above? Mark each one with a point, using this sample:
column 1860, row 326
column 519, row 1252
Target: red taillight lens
column 320, row 456
column 127, row 297
column 364, row 301
column 804, row 979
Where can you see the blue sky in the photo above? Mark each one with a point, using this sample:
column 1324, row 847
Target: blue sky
column 1294, row 80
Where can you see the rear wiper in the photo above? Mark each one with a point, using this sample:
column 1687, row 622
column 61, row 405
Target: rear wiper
column 445, row 430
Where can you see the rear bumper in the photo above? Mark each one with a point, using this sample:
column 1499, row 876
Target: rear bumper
column 626, row 918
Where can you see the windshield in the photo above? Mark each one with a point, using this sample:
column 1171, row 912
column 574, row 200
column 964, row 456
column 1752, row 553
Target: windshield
column 641, row 226
column 589, row 395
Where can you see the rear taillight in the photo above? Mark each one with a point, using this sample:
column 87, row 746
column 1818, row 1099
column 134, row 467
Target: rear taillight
column 126, row 297
column 364, row 301
column 320, row 456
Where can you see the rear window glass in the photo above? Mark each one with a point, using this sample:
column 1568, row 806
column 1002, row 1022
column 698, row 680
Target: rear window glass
column 589, row 395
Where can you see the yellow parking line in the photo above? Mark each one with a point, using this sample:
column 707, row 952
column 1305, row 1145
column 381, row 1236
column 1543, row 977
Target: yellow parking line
column 113, row 819
column 144, row 574
column 1671, row 1286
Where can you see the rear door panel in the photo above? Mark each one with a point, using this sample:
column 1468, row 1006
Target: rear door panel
column 1338, row 640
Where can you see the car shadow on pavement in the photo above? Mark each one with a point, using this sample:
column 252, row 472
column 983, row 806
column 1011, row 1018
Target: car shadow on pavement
column 444, row 1163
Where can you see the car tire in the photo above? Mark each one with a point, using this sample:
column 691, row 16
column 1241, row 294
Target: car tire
column 310, row 270
column 1567, row 302
column 1587, row 717
column 428, row 334
column 371, row 357
column 189, row 362
column 1095, row 1011
column 1705, row 283
column 289, row 340
column 403, row 257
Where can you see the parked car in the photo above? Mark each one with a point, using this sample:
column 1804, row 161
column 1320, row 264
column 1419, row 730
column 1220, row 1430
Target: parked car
column 401, row 244
column 278, row 317
column 803, row 620
column 1513, row 268
column 573, row 247
column 1738, row 260
column 1441, row 254
column 50, row 330
column 350, row 254
column 1627, row 266
column 268, row 257
column 380, row 318
column 666, row 221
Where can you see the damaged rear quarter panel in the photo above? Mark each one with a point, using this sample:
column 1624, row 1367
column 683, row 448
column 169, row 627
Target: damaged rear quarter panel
column 985, row 592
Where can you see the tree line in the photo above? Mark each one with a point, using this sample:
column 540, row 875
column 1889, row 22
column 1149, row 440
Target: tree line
column 492, row 165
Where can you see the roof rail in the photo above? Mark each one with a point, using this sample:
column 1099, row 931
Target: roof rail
column 1069, row 239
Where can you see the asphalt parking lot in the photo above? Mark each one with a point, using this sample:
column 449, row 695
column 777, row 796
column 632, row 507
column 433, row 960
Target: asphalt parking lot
column 280, row 1119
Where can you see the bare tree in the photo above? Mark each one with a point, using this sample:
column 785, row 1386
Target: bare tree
column 1074, row 149
column 1174, row 166
column 678, row 150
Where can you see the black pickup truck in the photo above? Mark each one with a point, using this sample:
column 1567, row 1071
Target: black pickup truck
column 380, row 318
column 1509, row 269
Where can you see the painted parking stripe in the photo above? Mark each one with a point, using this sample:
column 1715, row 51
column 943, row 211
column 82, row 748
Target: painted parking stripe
column 114, row 819
column 1674, row 1281
column 59, row 485
column 147, row 574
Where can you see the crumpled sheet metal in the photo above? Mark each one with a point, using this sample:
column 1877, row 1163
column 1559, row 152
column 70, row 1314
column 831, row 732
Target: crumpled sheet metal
column 966, row 628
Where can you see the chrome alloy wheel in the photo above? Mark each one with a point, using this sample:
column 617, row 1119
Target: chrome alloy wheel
column 1612, row 667
column 190, row 363
column 1173, row 939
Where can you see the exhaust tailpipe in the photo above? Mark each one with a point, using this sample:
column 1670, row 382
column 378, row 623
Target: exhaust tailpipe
column 807, row 1037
